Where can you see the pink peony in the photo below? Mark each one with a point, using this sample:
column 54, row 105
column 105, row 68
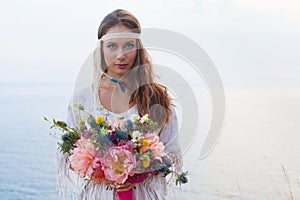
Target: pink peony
column 85, row 158
column 118, row 163
column 155, row 146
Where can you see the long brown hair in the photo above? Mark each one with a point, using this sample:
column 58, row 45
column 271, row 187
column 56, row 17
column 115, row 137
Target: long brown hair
column 151, row 98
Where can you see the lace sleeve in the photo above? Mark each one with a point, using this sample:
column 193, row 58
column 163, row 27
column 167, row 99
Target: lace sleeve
column 169, row 136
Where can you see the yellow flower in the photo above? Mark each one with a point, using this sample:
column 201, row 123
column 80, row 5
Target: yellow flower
column 99, row 120
column 145, row 143
column 81, row 122
column 146, row 163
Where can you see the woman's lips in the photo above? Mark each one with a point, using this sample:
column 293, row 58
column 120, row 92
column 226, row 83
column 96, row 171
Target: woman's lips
column 121, row 66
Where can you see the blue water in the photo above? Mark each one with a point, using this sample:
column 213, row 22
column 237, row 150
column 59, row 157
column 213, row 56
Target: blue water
column 27, row 150
column 261, row 133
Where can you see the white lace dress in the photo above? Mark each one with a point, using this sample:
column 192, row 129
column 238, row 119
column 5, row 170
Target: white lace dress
column 71, row 186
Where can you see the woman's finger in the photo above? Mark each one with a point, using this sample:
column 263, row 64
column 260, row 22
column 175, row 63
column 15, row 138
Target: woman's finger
column 123, row 189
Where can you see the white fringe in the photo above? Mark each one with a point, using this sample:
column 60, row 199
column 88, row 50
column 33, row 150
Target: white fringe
column 66, row 183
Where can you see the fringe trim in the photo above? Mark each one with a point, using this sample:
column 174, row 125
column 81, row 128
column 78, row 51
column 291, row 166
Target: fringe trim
column 155, row 183
column 176, row 159
column 66, row 183
column 66, row 194
column 93, row 191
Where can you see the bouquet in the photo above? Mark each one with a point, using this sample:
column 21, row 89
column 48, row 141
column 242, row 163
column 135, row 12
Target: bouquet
column 115, row 151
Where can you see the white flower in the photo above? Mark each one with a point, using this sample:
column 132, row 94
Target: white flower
column 136, row 135
column 135, row 117
column 145, row 119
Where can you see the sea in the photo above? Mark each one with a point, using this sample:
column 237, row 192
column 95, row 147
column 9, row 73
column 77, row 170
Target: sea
column 257, row 156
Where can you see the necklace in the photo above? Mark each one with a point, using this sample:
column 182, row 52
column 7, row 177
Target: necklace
column 118, row 82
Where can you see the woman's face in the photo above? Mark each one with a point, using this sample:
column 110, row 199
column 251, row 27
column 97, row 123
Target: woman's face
column 119, row 53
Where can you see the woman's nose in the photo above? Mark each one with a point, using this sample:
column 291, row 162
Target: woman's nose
column 120, row 54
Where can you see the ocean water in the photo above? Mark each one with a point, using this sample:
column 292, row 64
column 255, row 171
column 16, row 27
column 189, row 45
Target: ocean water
column 27, row 150
column 260, row 136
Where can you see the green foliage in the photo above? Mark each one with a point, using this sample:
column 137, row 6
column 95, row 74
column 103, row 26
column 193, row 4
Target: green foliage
column 153, row 125
column 181, row 178
column 68, row 142
column 69, row 136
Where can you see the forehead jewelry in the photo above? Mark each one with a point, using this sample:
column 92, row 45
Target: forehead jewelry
column 120, row 35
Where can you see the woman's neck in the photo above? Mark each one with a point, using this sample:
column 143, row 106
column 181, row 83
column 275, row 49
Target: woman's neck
column 111, row 80
column 113, row 75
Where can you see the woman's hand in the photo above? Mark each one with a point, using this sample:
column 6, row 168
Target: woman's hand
column 120, row 187
column 124, row 187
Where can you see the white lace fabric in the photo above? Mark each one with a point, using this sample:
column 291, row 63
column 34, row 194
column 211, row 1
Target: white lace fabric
column 121, row 35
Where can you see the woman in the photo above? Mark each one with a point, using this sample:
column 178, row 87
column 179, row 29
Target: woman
column 123, row 84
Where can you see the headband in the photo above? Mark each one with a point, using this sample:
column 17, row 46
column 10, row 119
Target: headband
column 121, row 35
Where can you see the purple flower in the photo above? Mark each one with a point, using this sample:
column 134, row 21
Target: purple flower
column 86, row 134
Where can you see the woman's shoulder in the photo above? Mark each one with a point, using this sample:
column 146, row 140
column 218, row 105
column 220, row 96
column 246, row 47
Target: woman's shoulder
column 82, row 91
column 83, row 95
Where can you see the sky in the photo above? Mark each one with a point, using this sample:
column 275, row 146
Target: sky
column 251, row 42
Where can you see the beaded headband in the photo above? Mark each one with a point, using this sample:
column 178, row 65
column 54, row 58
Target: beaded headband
column 121, row 35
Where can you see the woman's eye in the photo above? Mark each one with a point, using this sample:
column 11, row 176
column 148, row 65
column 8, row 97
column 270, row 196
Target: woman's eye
column 129, row 46
column 112, row 46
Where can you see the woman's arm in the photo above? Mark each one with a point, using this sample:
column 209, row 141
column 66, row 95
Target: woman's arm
column 170, row 138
